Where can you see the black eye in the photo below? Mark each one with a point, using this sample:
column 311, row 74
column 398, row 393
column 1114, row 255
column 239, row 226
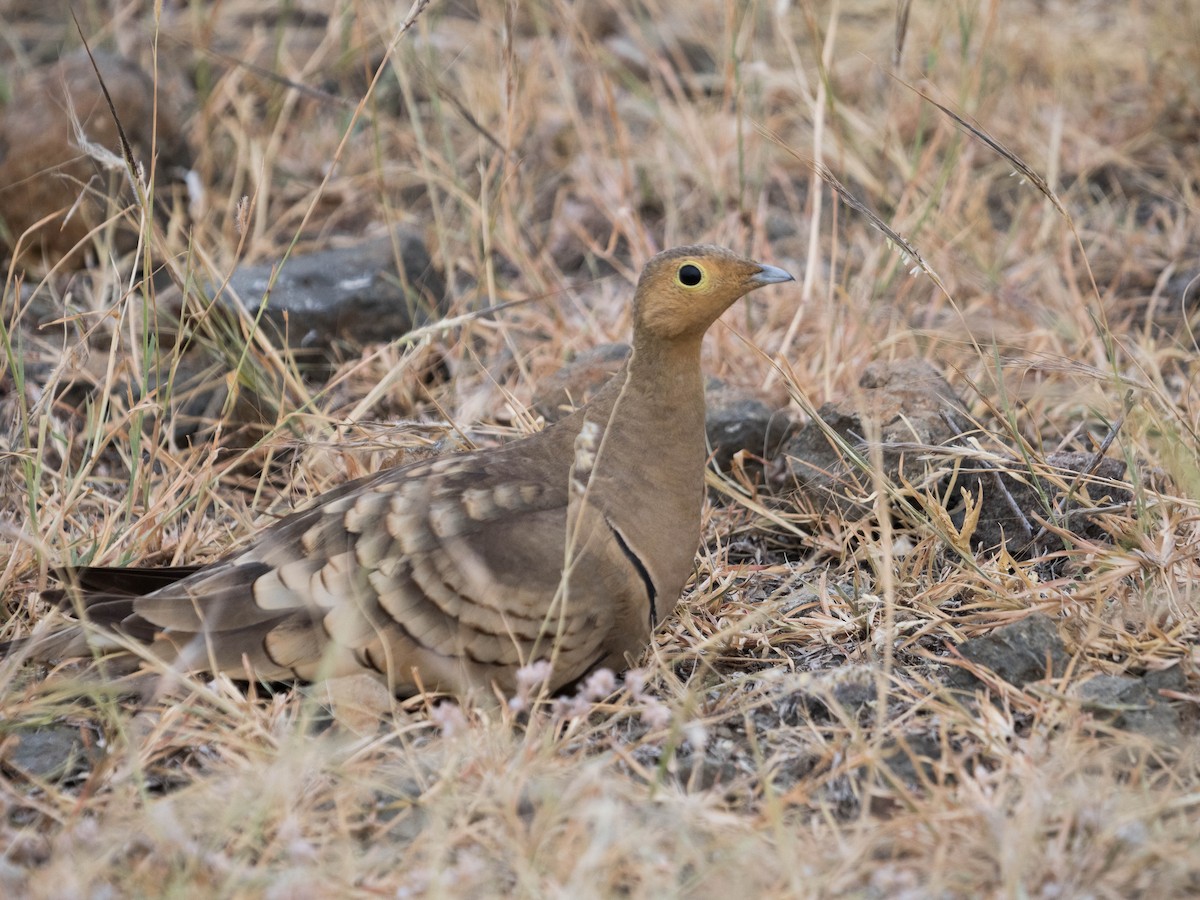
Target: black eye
column 690, row 275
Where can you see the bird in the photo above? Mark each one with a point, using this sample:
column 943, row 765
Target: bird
column 566, row 547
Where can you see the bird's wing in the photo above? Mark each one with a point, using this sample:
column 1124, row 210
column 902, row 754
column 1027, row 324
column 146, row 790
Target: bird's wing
column 451, row 567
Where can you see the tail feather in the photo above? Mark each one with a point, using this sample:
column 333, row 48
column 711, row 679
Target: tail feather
column 105, row 597
column 103, row 583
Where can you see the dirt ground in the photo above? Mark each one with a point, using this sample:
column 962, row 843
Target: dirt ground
column 968, row 668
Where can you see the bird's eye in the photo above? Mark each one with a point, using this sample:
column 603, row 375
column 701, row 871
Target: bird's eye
column 690, row 275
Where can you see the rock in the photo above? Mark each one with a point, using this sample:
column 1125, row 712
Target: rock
column 200, row 406
column 914, row 759
column 374, row 290
column 739, row 419
column 1012, row 503
column 578, row 381
column 573, row 221
column 49, row 753
column 1019, row 653
column 347, row 296
column 1134, row 704
column 833, row 695
column 324, row 300
column 906, row 402
column 597, row 20
column 736, row 418
column 915, row 411
column 45, row 175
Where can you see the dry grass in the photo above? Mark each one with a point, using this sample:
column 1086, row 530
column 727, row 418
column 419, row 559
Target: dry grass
column 546, row 149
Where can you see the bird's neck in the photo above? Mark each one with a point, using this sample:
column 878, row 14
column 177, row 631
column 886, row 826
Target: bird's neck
column 663, row 396
column 649, row 468
column 655, row 404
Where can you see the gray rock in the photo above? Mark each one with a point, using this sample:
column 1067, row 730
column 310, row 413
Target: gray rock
column 358, row 294
column 50, row 753
column 914, row 759
column 914, row 412
column 578, row 381
column 692, row 62
column 1020, row 653
column 1134, row 704
column 1014, row 499
column 845, row 691
column 739, row 419
column 321, row 302
column 907, row 403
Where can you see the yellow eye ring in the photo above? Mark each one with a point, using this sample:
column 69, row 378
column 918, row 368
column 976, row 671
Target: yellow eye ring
column 690, row 275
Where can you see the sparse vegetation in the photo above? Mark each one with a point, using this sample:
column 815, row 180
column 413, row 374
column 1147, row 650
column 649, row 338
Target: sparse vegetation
column 792, row 731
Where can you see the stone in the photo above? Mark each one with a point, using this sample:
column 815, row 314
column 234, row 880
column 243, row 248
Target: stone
column 914, row 759
column 1020, row 653
column 1013, row 500
column 49, row 753
column 831, row 695
column 914, row 412
column 559, row 394
column 739, row 419
column 1133, row 703
column 371, row 291
column 906, row 403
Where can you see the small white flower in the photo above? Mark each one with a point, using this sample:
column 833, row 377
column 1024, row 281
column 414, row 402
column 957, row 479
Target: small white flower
column 655, row 715
column 449, row 719
column 696, row 734
column 599, row 685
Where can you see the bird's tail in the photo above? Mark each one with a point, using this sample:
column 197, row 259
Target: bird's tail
column 102, row 596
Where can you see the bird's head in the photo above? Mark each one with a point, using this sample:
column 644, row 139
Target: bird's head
column 683, row 291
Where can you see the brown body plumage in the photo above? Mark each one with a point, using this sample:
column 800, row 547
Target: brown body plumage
column 568, row 545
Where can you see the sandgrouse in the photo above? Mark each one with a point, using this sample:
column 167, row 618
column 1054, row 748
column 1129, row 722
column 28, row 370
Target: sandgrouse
column 567, row 546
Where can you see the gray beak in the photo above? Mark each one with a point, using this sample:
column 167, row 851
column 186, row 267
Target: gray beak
column 771, row 275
